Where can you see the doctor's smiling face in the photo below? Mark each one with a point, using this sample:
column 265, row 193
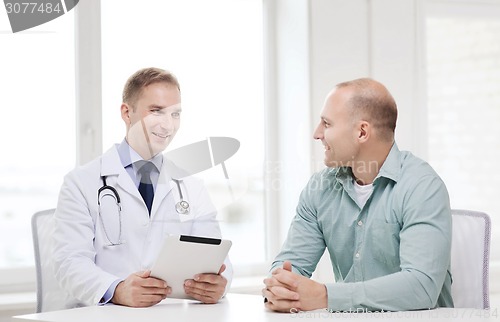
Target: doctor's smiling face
column 153, row 118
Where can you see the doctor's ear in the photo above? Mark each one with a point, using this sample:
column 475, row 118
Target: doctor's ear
column 125, row 112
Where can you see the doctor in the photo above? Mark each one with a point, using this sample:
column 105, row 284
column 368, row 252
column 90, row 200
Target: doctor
column 108, row 232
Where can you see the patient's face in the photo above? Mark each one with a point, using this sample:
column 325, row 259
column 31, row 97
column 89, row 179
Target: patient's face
column 336, row 130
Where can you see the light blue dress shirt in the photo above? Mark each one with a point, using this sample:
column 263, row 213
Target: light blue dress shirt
column 391, row 254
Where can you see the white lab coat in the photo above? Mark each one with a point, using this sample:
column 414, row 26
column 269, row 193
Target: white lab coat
column 84, row 264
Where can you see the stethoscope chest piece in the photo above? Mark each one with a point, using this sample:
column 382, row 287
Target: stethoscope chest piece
column 182, row 207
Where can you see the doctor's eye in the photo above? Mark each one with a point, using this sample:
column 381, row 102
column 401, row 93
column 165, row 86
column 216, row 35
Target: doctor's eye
column 156, row 111
column 176, row 115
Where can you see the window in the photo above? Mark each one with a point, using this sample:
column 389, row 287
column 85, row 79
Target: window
column 38, row 128
column 215, row 49
column 463, row 85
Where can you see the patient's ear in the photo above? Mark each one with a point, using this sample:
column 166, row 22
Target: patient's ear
column 364, row 131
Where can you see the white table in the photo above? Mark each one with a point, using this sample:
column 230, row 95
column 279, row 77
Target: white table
column 239, row 307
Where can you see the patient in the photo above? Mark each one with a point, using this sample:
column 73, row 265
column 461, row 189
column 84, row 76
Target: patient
column 383, row 214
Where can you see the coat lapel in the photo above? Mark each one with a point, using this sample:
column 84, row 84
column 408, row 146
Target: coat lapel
column 112, row 166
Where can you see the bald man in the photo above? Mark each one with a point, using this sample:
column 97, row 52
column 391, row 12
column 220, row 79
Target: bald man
column 383, row 214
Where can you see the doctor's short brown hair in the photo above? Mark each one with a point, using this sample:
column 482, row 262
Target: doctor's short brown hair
column 144, row 77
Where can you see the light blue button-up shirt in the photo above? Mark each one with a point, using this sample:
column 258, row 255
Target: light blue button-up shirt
column 129, row 157
column 391, row 254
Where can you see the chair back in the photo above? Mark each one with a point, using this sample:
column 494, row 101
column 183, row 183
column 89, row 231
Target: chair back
column 49, row 294
column 470, row 255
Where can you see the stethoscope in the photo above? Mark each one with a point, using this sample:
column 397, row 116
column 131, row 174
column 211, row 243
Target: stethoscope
column 181, row 207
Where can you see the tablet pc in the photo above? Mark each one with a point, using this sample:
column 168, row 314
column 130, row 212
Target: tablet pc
column 182, row 257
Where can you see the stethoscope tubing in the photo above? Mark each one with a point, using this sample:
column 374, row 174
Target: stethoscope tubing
column 181, row 207
column 115, row 195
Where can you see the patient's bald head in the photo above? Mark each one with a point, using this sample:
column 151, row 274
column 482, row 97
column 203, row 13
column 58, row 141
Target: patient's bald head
column 370, row 101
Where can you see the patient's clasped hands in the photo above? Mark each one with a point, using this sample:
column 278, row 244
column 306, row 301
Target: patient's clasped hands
column 287, row 291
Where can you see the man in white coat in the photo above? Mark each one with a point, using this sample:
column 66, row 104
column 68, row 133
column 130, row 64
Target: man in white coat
column 107, row 235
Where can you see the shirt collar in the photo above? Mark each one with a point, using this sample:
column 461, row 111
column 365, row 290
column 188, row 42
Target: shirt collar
column 129, row 156
column 391, row 169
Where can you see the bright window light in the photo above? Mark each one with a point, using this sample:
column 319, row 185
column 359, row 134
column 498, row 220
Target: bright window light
column 38, row 128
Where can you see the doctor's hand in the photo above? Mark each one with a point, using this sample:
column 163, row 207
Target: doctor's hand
column 140, row 290
column 207, row 288
column 287, row 291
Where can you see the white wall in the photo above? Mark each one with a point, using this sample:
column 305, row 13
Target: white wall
column 351, row 39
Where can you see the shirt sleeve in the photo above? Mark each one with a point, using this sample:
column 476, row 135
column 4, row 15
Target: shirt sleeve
column 425, row 246
column 109, row 293
column 305, row 243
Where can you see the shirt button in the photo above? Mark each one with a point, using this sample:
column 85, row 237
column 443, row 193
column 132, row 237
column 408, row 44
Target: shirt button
column 357, row 255
column 360, row 223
